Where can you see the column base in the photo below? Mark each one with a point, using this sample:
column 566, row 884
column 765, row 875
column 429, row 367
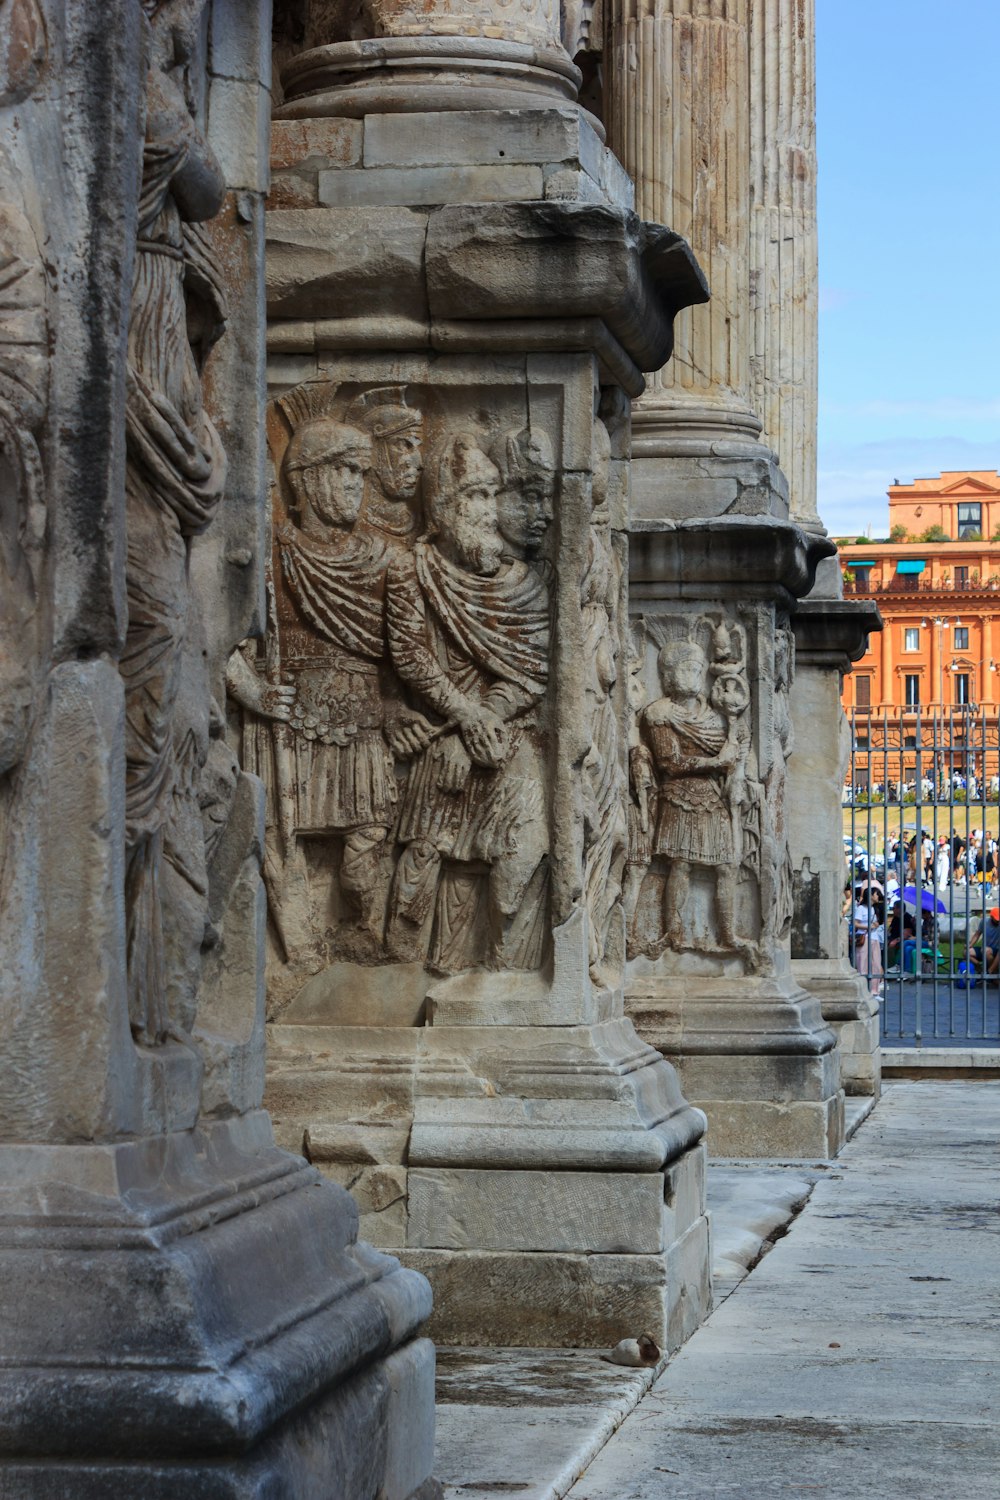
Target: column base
column 701, row 461
column 580, row 1297
column 752, row 1053
column 549, row 1180
column 853, row 1012
column 230, row 1339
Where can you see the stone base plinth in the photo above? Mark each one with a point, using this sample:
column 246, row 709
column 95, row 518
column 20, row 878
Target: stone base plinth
column 853, row 1012
column 193, row 1315
column 548, row 1180
column 754, row 1054
column 563, row 1299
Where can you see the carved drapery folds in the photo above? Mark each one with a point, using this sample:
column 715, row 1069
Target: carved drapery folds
column 175, row 478
column 708, row 856
column 24, row 380
column 23, row 387
column 395, row 711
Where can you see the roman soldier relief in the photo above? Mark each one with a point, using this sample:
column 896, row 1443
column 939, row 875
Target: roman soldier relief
column 394, row 710
column 708, row 861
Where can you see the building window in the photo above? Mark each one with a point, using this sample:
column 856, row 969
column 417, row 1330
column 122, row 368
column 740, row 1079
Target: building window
column 970, row 518
column 961, row 637
column 961, row 578
column 961, row 687
column 863, row 692
column 911, row 638
column 912, row 689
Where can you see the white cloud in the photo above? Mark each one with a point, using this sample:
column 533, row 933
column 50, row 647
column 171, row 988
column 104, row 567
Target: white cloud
column 953, row 409
column 853, row 478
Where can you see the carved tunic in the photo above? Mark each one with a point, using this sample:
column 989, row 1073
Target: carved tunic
column 457, row 636
column 693, row 822
column 330, row 623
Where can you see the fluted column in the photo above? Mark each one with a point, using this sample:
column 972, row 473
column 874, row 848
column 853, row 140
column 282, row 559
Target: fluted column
column 783, row 247
column 679, row 125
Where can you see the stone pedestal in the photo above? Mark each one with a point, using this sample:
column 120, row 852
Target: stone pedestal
column 461, row 298
column 829, row 634
column 710, row 982
column 186, row 1307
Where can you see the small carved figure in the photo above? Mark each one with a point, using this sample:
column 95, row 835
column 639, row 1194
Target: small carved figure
column 23, row 395
column 605, row 836
column 694, row 753
column 174, row 482
column 641, row 807
column 469, row 636
column 778, row 917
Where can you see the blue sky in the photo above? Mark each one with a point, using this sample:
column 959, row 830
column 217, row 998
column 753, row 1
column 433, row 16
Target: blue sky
column 909, row 225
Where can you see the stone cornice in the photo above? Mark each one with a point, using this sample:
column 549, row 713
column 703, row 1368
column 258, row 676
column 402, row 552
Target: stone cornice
column 834, row 632
column 743, row 557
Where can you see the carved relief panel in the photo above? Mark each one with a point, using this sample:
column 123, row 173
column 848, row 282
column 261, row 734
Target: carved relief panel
column 708, row 880
column 402, row 709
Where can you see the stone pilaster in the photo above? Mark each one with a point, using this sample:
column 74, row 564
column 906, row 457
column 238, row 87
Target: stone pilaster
column 460, row 302
column 186, row 1307
column 829, row 636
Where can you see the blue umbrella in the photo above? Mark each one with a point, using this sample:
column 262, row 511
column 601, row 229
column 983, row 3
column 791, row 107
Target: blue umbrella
column 928, row 900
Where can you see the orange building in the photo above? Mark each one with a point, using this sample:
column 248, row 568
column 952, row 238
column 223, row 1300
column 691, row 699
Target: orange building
column 939, row 651
column 940, row 600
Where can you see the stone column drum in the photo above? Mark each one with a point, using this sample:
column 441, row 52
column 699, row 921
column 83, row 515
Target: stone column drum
column 186, row 1308
column 460, row 302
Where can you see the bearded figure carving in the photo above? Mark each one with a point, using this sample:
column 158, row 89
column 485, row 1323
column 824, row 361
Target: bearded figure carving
column 469, row 637
column 176, row 474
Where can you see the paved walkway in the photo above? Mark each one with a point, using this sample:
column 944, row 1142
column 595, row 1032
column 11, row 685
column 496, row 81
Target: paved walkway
column 862, row 1356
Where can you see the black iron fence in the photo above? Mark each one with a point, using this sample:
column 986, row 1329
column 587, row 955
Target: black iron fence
column 921, row 827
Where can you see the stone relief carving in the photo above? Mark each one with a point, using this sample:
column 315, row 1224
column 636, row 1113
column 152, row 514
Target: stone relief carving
column 176, row 474
column 394, row 710
column 23, row 47
column 708, row 862
column 23, row 396
column 604, row 781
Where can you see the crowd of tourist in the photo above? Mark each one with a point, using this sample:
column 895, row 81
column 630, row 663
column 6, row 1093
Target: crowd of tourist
column 896, row 922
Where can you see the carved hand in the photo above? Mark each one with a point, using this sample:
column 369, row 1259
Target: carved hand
column 275, row 701
column 408, row 733
column 454, row 765
column 343, row 734
column 486, row 738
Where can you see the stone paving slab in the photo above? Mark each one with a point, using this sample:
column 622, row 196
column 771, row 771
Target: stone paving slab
column 525, row 1423
column 862, row 1356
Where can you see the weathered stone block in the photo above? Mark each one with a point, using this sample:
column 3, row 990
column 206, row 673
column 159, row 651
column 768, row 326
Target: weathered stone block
column 484, row 136
column 545, row 1300
column 327, row 263
column 589, row 1212
column 430, row 185
column 689, row 1283
column 409, row 1455
column 315, row 143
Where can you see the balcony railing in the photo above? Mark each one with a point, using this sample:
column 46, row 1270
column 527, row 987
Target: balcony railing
column 914, row 583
